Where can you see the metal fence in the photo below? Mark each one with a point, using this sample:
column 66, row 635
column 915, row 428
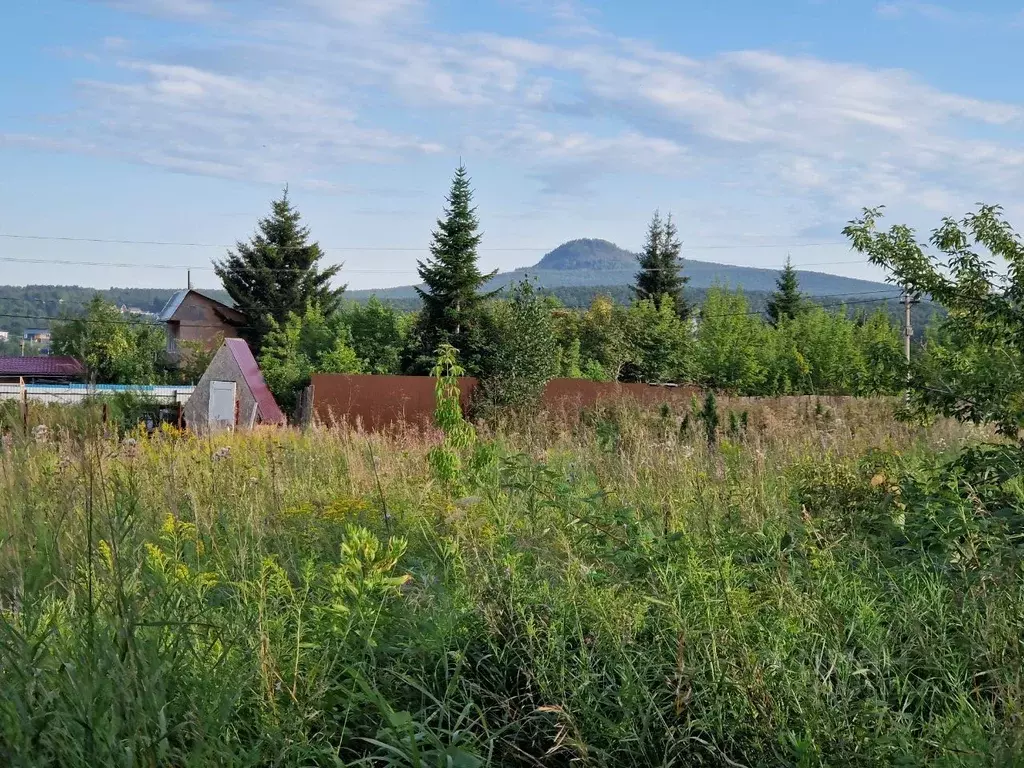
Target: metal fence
column 70, row 394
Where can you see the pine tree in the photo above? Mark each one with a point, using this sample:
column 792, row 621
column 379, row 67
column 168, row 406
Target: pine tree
column 276, row 273
column 660, row 272
column 786, row 302
column 452, row 294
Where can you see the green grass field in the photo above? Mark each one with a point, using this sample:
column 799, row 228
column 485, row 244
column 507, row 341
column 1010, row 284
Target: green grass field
column 813, row 590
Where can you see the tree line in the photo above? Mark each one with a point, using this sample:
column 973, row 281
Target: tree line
column 516, row 341
column 299, row 323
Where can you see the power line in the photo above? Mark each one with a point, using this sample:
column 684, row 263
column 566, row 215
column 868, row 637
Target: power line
column 354, row 270
column 176, row 244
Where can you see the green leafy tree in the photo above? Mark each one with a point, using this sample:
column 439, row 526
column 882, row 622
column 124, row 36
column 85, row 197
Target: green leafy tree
column 730, row 344
column 979, row 376
column 522, row 352
column 786, row 302
column 883, row 369
column 113, row 349
column 660, row 342
column 195, row 356
column 452, row 294
column 604, row 347
column 380, row 334
column 277, row 273
column 566, row 324
column 313, row 342
column 660, row 276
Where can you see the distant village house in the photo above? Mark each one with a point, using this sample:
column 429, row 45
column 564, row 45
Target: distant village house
column 191, row 315
column 37, row 336
column 5, row 335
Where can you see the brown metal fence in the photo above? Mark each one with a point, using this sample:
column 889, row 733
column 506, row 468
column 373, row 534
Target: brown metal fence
column 377, row 402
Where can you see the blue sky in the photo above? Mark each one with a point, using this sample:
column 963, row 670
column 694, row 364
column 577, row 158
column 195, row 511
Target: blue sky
column 762, row 126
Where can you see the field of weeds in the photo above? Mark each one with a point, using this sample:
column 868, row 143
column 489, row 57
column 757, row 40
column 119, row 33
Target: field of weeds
column 819, row 585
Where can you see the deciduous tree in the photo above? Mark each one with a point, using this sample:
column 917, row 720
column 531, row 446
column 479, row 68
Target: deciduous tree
column 979, row 375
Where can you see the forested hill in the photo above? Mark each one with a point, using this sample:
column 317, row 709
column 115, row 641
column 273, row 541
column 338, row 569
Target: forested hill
column 574, row 272
column 591, row 263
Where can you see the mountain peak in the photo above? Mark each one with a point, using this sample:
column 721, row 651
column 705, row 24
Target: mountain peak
column 587, row 253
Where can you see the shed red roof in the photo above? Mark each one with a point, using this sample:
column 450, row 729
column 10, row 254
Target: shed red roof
column 56, row 367
column 270, row 412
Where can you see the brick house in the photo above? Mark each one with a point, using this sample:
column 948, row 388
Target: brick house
column 191, row 315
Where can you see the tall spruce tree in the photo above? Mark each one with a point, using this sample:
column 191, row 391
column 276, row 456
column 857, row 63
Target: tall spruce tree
column 277, row 273
column 786, row 302
column 660, row 272
column 452, row 295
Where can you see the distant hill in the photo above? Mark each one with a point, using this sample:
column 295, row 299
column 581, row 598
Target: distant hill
column 590, row 262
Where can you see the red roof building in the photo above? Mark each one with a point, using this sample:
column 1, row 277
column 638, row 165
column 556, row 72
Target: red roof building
column 232, row 393
column 41, row 370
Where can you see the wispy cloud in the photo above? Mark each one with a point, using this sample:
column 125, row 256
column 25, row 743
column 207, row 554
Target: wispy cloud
column 177, row 9
column 326, row 82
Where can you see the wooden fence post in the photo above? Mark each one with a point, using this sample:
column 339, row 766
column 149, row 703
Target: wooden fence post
column 24, row 408
column 238, row 408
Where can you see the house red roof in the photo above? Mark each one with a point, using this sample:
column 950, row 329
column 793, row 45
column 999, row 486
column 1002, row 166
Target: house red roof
column 55, row 367
column 269, row 411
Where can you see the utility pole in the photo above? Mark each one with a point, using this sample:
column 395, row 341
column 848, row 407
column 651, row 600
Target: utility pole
column 908, row 333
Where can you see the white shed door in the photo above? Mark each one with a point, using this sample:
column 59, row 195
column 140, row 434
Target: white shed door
column 222, row 404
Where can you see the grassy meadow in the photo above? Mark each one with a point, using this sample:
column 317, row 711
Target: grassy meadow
column 819, row 587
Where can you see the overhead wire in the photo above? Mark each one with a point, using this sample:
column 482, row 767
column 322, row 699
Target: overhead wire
column 179, row 244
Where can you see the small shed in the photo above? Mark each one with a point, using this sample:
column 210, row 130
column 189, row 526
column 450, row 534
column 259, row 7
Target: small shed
column 232, row 393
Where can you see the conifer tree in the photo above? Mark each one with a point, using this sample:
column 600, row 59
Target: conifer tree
column 452, row 294
column 786, row 302
column 660, row 272
column 276, row 274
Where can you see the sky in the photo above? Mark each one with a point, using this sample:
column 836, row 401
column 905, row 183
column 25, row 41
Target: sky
column 763, row 127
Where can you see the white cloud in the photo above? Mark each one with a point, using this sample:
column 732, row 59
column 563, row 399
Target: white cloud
column 179, row 9
column 323, row 78
column 367, row 12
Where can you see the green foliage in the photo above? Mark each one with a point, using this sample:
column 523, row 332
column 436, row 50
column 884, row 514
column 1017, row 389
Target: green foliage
column 604, row 346
column 195, row 356
column 979, row 376
column 311, row 343
column 521, row 352
column 709, row 417
column 610, row 596
column 660, row 277
column 113, row 349
column 730, row 346
column 660, row 340
column 446, row 459
column 277, row 274
column 452, row 296
column 786, row 302
column 380, row 334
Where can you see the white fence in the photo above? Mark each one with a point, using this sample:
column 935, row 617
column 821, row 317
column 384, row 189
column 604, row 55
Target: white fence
column 76, row 393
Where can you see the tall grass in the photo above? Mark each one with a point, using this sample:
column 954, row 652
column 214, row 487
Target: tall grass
column 610, row 591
